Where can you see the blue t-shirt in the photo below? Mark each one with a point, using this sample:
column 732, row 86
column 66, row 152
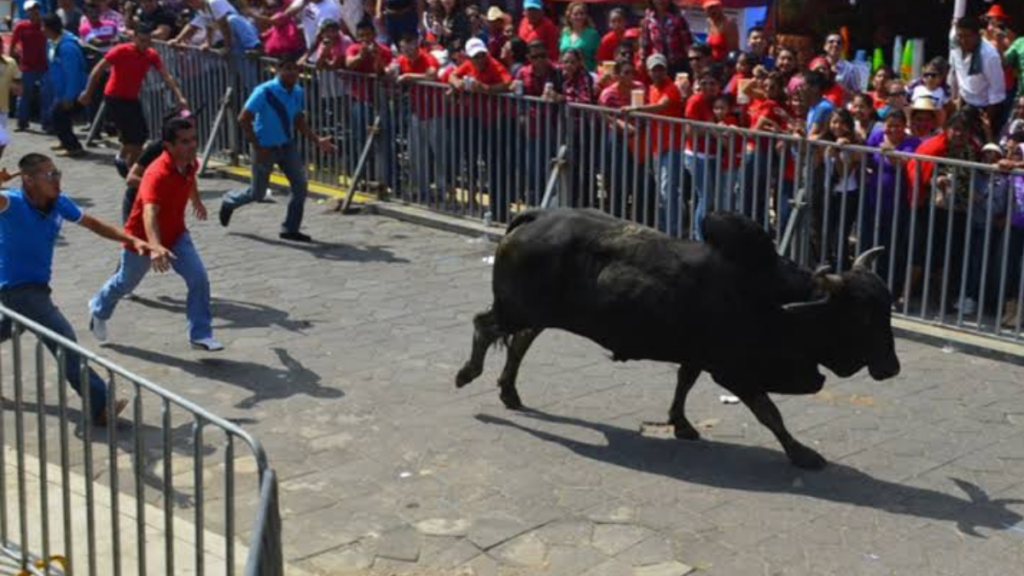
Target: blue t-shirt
column 27, row 238
column 819, row 113
column 267, row 125
column 244, row 34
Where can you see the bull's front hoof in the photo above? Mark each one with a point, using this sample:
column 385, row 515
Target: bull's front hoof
column 466, row 375
column 803, row 457
column 511, row 400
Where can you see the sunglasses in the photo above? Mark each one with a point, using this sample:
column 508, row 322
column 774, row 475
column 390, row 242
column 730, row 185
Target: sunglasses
column 538, row 56
column 895, row 94
column 53, row 175
column 931, row 74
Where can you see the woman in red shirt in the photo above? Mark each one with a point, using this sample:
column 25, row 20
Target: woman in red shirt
column 723, row 34
column 616, row 32
column 620, row 170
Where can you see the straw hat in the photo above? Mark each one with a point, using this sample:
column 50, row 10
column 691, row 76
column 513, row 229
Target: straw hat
column 494, row 14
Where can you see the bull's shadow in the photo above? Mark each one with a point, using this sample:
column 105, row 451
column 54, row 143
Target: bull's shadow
column 264, row 382
column 331, row 251
column 757, row 469
column 233, row 314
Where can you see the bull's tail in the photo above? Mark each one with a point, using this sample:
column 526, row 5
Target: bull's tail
column 523, row 218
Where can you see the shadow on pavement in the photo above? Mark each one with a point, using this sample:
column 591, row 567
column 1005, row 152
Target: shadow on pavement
column 757, row 469
column 264, row 382
column 331, row 251
column 236, row 313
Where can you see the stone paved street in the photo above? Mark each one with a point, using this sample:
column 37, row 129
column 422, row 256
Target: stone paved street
column 341, row 358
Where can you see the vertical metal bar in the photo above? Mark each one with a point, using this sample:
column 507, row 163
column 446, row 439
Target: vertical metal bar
column 65, row 450
column 229, row 504
column 140, row 487
column 44, row 500
column 19, row 436
column 3, row 442
column 168, row 491
column 115, row 515
column 197, row 464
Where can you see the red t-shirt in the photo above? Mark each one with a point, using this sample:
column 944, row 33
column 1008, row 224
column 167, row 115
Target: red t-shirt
column 609, row 43
column 493, row 73
column 362, row 89
column 699, row 109
column 163, row 185
column 732, row 156
column 835, row 95
column 666, row 135
column 128, row 68
column 33, row 46
column 546, row 32
column 426, row 102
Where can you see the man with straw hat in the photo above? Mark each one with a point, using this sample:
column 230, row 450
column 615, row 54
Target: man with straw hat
column 497, row 23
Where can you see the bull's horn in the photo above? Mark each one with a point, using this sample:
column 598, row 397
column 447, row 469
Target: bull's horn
column 822, row 270
column 795, row 306
column 865, row 260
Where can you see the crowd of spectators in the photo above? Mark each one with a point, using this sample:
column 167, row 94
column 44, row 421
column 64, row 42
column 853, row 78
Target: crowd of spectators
column 960, row 107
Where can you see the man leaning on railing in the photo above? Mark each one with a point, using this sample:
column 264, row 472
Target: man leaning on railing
column 30, row 221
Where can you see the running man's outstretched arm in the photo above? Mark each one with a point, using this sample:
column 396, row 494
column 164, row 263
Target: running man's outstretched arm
column 104, row 230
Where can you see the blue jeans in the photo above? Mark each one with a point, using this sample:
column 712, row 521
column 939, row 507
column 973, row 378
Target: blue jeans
column 133, row 269
column 30, row 81
column 287, row 157
column 422, row 145
column 33, row 301
column 704, row 171
column 669, row 169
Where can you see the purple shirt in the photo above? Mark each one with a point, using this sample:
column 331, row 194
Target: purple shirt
column 1017, row 210
column 888, row 172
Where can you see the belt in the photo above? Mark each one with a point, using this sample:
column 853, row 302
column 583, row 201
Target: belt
column 397, row 11
column 22, row 287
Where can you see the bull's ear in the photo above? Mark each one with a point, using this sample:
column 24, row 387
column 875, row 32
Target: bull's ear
column 829, row 283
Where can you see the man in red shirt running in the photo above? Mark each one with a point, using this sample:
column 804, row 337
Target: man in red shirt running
column 158, row 215
column 128, row 64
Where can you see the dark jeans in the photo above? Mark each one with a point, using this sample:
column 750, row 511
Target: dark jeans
column 287, row 157
column 33, row 301
column 63, row 123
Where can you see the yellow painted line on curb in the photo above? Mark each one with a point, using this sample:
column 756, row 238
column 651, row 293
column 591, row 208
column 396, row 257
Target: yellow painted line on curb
column 278, row 179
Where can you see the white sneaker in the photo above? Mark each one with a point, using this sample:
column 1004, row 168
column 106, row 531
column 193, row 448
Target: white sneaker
column 208, row 344
column 98, row 328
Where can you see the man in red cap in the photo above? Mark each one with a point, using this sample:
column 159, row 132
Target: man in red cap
column 997, row 28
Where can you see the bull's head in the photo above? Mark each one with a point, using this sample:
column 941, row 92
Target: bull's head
column 855, row 311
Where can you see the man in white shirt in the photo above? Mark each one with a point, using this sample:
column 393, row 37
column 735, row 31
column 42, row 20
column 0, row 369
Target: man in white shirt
column 211, row 16
column 976, row 70
column 311, row 14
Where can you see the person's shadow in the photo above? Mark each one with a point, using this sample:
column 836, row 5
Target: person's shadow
column 236, row 313
column 264, row 382
column 331, row 251
column 151, row 439
column 757, row 469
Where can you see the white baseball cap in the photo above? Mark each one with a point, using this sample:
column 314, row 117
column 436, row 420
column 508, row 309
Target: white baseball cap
column 30, row 5
column 475, row 46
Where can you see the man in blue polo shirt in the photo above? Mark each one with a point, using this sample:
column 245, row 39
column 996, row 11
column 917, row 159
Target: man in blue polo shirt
column 271, row 115
column 30, row 220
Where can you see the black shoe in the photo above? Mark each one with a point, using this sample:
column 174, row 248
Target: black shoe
column 296, row 236
column 22, row 128
column 225, row 215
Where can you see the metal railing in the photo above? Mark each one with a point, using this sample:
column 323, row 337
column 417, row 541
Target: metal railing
column 490, row 156
column 151, row 494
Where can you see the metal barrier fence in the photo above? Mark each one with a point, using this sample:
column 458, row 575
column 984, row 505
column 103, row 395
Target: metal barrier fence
column 159, row 498
column 489, row 156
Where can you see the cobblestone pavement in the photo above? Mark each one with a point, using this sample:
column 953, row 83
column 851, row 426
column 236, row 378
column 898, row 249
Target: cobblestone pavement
column 341, row 357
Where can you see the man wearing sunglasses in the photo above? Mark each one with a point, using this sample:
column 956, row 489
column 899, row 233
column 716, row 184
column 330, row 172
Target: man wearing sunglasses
column 31, row 218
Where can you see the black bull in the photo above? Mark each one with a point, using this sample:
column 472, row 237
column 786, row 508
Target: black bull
column 731, row 307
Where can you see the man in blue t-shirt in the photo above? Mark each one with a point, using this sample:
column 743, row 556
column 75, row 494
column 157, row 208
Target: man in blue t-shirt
column 271, row 115
column 30, row 220
column 819, row 109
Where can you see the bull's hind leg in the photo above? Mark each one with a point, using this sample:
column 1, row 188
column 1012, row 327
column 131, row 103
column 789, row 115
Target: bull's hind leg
column 521, row 342
column 485, row 332
column 685, row 379
column 768, row 414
